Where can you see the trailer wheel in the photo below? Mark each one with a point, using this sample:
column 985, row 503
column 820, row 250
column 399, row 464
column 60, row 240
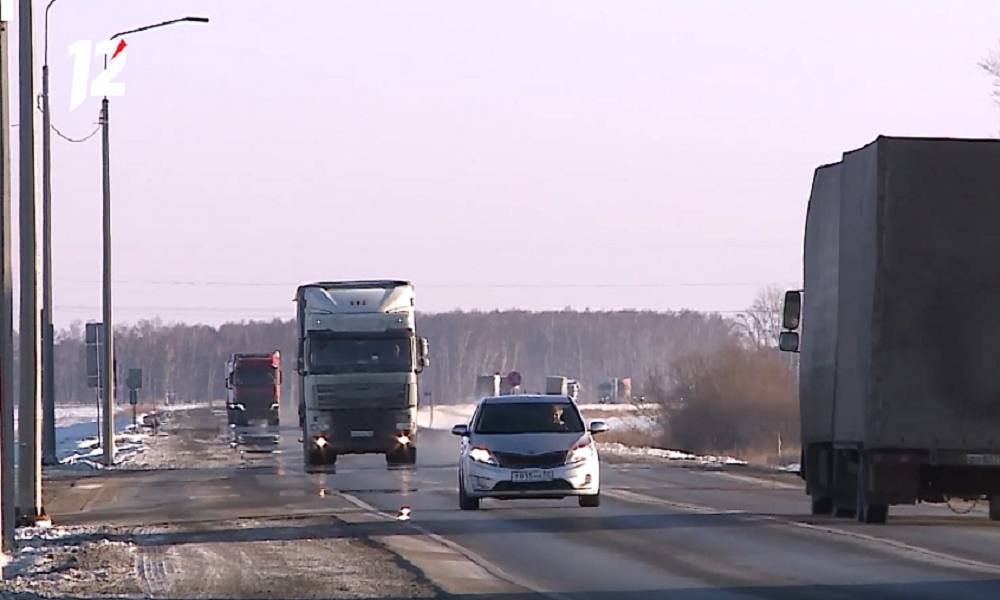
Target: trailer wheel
column 867, row 512
column 995, row 507
column 822, row 505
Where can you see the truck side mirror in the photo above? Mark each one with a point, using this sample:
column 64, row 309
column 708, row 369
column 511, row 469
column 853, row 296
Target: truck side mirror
column 791, row 315
column 788, row 341
column 424, row 354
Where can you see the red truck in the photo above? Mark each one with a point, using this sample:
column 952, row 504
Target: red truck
column 253, row 389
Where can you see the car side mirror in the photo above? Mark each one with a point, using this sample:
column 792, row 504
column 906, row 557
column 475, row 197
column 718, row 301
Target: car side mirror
column 792, row 312
column 788, row 341
column 598, row 427
column 462, row 430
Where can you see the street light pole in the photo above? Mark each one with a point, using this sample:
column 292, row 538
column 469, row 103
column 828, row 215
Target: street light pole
column 108, row 374
column 29, row 472
column 48, row 330
column 7, row 498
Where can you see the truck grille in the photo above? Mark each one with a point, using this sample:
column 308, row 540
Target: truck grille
column 349, row 395
column 548, row 460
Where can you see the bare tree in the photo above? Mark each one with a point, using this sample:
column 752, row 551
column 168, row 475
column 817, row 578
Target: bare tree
column 761, row 324
column 991, row 64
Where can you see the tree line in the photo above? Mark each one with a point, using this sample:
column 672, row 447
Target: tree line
column 187, row 362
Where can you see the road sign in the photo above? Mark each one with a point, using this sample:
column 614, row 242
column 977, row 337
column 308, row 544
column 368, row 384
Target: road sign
column 134, row 380
column 514, row 379
column 94, row 356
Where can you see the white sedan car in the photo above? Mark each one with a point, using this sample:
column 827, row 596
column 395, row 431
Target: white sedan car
column 528, row 446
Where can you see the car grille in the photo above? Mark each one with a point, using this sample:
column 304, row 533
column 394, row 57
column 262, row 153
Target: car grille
column 510, row 460
column 533, row 486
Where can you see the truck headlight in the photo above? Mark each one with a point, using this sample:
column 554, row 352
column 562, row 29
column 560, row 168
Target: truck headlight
column 275, row 406
column 403, row 439
column 482, row 455
column 580, row 453
column 321, row 442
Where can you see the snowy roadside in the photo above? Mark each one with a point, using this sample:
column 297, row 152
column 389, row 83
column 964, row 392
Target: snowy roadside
column 61, row 561
column 622, row 451
column 130, row 443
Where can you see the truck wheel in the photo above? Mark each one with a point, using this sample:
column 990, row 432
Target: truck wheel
column 822, row 505
column 466, row 502
column 402, row 456
column 274, row 423
column 995, row 507
column 867, row 512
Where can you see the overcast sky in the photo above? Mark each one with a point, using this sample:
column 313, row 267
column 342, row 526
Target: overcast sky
column 531, row 154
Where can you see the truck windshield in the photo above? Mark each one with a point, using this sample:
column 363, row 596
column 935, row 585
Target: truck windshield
column 265, row 376
column 368, row 355
column 528, row 417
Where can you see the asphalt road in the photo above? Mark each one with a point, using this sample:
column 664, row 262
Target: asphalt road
column 663, row 531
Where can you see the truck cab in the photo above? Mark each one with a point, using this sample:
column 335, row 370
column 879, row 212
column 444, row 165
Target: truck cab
column 253, row 393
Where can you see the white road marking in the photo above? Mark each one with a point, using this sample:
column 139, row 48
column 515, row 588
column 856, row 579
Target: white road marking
column 490, row 568
column 920, row 552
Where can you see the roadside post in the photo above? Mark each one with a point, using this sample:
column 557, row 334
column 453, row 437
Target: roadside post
column 134, row 383
column 95, row 361
column 430, row 402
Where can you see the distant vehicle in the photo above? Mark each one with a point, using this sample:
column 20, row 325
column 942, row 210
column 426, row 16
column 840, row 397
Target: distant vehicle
column 487, row 385
column 528, row 446
column 358, row 361
column 253, row 393
column 615, row 390
column 899, row 385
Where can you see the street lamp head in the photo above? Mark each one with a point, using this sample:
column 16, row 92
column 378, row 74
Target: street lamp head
column 197, row 19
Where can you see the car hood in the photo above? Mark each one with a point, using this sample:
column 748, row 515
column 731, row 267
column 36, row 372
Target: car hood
column 528, row 443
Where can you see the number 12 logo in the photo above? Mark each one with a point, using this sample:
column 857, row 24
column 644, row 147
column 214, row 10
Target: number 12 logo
column 104, row 84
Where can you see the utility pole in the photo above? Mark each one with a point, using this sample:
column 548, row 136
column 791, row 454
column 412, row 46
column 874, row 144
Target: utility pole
column 109, row 328
column 7, row 498
column 48, row 330
column 108, row 374
column 29, row 501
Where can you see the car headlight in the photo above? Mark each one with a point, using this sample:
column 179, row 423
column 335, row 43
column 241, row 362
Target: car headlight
column 580, row 453
column 480, row 454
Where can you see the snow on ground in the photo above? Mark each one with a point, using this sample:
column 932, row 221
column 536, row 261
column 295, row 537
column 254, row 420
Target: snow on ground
column 69, row 560
column 621, row 450
column 129, row 442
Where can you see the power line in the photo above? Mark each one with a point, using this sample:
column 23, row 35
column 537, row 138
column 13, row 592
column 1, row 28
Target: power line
column 76, row 140
column 274, row 310
column 504, row 285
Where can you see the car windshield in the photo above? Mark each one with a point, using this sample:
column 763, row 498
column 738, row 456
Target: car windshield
column 366, row 355
column 528, row 417
column 267, row 376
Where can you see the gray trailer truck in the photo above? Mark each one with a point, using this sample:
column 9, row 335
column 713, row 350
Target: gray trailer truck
column 358, row 362
column 897, row 328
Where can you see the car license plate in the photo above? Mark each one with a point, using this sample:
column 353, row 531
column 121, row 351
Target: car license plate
column 983, row 459
column 530, row 475
column 362, row 434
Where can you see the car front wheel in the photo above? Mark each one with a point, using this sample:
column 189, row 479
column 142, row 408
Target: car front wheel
column 590, row 501
column 466, row 502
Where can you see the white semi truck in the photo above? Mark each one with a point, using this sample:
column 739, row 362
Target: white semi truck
column 358, row 361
